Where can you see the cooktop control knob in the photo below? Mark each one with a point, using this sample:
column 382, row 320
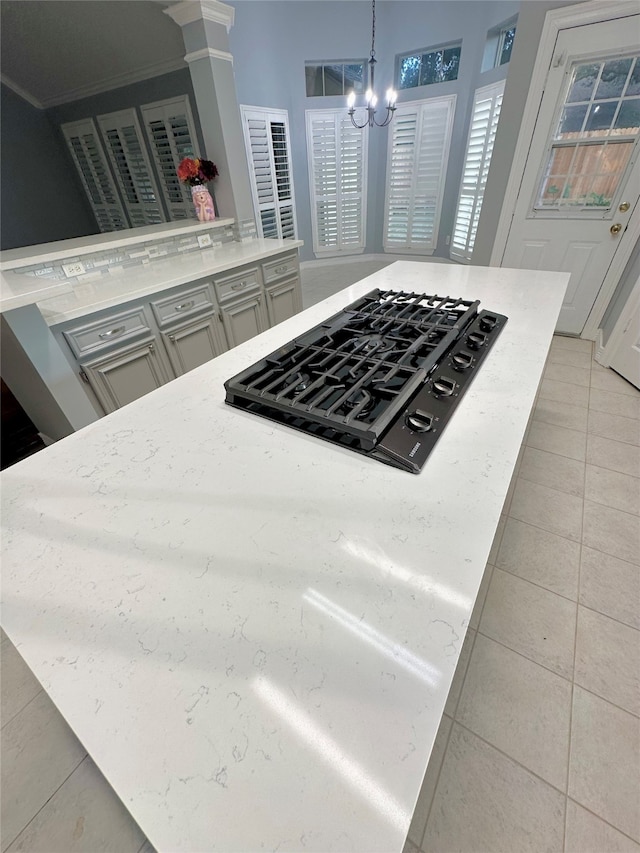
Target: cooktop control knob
column 444, row 387
column 476, row 339
column 419, row 421
column 462, row 360
column 488, row 322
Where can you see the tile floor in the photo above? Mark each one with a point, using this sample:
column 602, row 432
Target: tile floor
column 539, row 747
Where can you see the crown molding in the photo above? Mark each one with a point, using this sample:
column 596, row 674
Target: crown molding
column 210, row 53
column 115, row 82
column 26, row 96
column 197, row 10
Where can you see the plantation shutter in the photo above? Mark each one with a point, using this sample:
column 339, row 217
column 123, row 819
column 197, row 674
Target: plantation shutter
column 337, row 153
column 170, row 130
column 416, row 168
column 92, row 166
column 266, row 135
column 125, row 149
column 482, row 133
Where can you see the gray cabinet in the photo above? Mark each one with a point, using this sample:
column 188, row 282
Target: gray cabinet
column 128, row 350
column 126, row 374
column 244, row 319
column 283, row 300
column 191, row 344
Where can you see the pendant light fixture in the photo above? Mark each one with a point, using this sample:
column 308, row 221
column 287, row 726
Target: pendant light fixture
column 370, row 95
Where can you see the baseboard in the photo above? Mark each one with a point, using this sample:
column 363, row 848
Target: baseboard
column 356, row 259
column 599, row 354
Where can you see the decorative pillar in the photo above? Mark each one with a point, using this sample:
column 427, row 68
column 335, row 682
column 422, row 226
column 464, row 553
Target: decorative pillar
column 205, row 29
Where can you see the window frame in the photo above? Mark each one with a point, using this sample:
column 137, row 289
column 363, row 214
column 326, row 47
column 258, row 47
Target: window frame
column 338, row 115
column 321, row 63
column 494, row 91
column 420, row 52
column 279, row 116
column 420, row 106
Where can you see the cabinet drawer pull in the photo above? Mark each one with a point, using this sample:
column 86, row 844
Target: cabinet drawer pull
column 112, row 333
column 185, row 305
column 239, row 285
column 172, row 338
column 281, row 269
column 151, row 347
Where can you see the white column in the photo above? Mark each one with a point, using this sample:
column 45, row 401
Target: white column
column 205, row 29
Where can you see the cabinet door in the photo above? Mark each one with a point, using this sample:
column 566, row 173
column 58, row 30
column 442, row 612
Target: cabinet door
column 126, row 374
column 192, row 344
column 283, row 300
column 244, row 320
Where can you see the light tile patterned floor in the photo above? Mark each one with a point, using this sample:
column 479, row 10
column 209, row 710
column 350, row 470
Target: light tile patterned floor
column 539, row 748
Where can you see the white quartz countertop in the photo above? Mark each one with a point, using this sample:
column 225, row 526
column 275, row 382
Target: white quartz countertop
column 252, row 631
column 58, row 250
column 61, row 301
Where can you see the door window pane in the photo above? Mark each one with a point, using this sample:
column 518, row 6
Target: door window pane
column 598, row 128
column 613, row 78
column 583, row 83
column 600, row 117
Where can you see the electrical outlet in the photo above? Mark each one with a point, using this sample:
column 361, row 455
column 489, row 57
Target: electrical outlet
column 204, row 240
column 71, row 270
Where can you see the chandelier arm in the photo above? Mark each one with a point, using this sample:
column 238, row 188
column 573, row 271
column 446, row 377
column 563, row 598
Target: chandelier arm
column 355, row 123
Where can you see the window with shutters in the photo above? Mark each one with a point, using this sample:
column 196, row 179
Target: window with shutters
column 482, row 133
column 170, row 129
column 337, row 156
column 417, row 156
column 266, row 136
column 125, row 149
column 91, row 163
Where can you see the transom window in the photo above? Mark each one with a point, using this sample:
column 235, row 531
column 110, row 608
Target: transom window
column 334, row 78
column 597, row 128
column 422, row 68
column 505, row 44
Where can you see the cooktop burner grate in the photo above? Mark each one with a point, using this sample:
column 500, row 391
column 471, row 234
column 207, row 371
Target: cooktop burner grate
column 352, row 378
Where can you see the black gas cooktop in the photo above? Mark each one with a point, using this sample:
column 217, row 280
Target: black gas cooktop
column 381, row 377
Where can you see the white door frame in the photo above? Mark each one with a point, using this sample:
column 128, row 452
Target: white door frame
column 579, row 14
column 604, row 354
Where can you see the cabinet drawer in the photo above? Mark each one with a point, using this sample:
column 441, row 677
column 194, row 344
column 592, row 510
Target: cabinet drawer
column 188, row 303
column 235, row 286
column 103, row 334
column 279, row 268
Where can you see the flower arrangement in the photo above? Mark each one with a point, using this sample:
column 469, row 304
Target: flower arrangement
column 196, row 172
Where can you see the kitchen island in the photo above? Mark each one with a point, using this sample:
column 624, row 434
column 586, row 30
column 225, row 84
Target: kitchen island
column 253, row 632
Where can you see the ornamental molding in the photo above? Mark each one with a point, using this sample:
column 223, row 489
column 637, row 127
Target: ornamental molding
column 198, row 10
column 208, row 53
column 22, row 93
column 115, row 82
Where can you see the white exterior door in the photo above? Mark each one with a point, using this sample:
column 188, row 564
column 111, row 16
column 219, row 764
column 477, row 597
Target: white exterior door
column 625, row 358
column 582, row 177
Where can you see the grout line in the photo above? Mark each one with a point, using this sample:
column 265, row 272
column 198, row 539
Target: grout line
column 23, row 707
column 510, row 758
column 30, row 821
column 608, row 823
column 573, row 676
column 526, row 657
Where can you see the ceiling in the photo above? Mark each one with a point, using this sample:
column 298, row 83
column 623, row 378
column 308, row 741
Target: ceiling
column 54, row 51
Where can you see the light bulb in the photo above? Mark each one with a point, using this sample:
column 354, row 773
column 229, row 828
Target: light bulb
column 369, row 96
column 374, row 100
column 392, row 96
column 351, row 100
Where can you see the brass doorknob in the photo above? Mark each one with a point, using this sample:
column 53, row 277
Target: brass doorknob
column 616, row 229
column 624, row 206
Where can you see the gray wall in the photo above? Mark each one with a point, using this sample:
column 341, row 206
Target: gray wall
column 41, row 197
column 33, row 136
column 271, row 41
column 525, row 48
